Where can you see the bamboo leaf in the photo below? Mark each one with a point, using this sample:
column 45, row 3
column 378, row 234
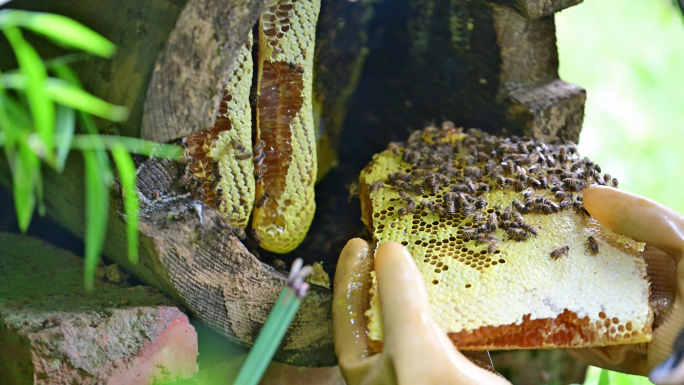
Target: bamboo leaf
column 31, row 65
column 26, row 166
column 72, row 96
column 132, row 145
column 64, row 132
column 97, row 214
column 61, row 30
column 126, row 168
column 603, row 379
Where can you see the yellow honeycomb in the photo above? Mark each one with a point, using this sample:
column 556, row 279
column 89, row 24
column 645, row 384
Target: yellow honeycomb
column 233, row 125
column 285, row 123
column 517, row 295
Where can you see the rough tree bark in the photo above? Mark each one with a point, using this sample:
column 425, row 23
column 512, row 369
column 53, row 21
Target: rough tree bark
column 480, row 64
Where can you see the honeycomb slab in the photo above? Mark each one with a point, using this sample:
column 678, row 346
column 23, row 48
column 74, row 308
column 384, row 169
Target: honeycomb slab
column 499, row 287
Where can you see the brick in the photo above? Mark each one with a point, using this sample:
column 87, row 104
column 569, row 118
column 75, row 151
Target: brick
column 53, row 331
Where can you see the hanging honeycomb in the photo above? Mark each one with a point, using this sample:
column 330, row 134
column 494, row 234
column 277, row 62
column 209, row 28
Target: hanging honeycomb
column 221, row 157
column 498, row 230
column 285, row 123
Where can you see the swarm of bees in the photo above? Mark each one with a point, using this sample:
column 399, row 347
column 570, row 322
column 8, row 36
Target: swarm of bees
column 542, row 178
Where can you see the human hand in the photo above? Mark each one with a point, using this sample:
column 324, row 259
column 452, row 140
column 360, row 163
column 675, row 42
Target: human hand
column 415, row 350
column 652, row 223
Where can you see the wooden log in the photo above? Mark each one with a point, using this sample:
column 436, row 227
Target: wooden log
column 53, row 331
column 533, row 9
column 172, row 60
column 187, row 252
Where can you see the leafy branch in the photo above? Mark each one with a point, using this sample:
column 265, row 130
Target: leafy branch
column 40, row 103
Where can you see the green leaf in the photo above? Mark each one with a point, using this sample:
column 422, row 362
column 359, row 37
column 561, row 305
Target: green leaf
column 97, row 214
column 124, row 163
column 132, row 145
column 31, row 65
column 603, row 379
column 64, row 132
column 24, row 170
column 72, row 96
column 62, row 30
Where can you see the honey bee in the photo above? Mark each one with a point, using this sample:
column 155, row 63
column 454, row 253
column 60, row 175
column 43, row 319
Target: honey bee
column 489, row 167
column 417, row 189
column 218, row 201
column 400, row 176
column 576, row 166
column 556, row 189
column 376, row 186
column 440, row 209
column 516, row 234
column 421, row 172
column 450, row 207
column 484, row 187
column 184, row 180
column 156, row 194
column 237, row 145
column 462, row 200
column 517, row 217
column 410, row 206
column 615, row 182
column 600, row 181
column 402, row 211
column 528, row 192
column 481, row 203
column 562, row 155
column 450, row 196
column 259, row 173
column 592, row 245
column 260, row 145
column 468, row 211
column 579, row 209
column 573, row 184
column 564, row 204
column 484, row 237
column 469, row 234
column 607, row 177
column 473, row 171
column 395, row 147
column 254, row 234
column 435, row 188
column 468, row 160
column 543, row 181
column 563, row 195
column 238, row 232
column 533, row 169
column 215, row 182
column 219, row 192
column 258, row 158
column 412, row 157
column 427, row 205
column 493, row 223
column 279, row 265
column 501, row 181
column 506, row 215
column 479, row 216
column 243, row 156
column 186, row 159
column 559, row 252
column 509, row 167
column 199, row 193
column 493, row 244
column 530, row 229
column 546, row 209
column 597, row 168
column 261, row 201
column 520, row 207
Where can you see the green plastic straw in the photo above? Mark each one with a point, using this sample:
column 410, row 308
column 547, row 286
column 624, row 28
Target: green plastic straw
column 269, row 338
